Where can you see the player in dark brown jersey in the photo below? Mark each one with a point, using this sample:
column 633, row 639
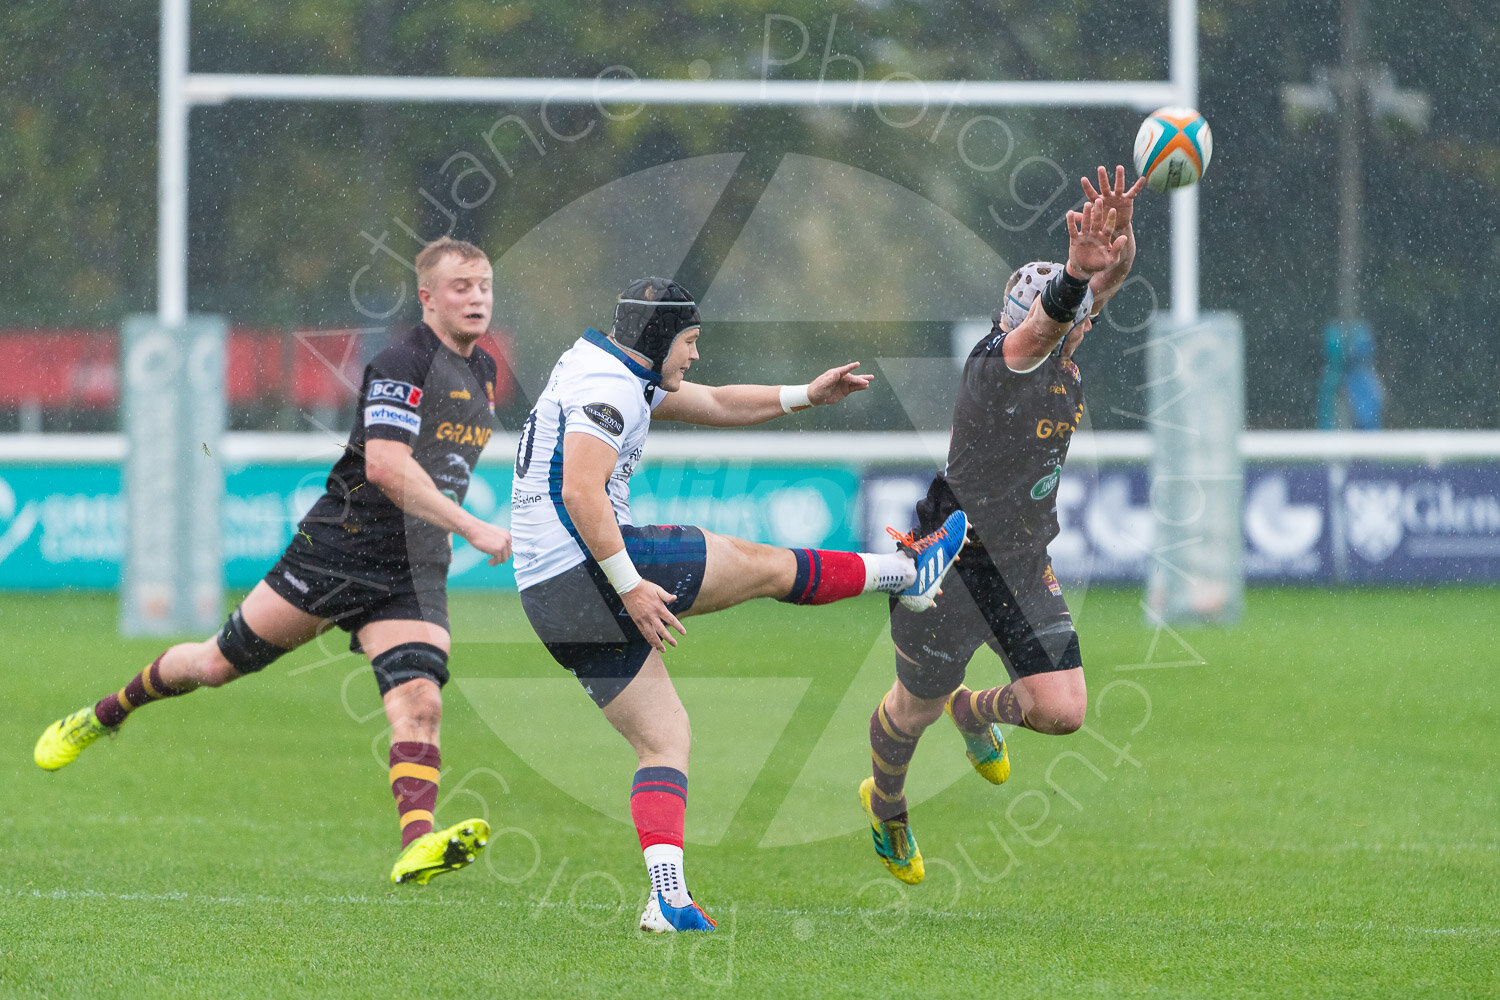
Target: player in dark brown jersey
column 1020, row 400
column 371, row 556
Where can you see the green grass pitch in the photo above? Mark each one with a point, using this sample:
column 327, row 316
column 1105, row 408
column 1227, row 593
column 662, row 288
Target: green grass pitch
column 1305, row 805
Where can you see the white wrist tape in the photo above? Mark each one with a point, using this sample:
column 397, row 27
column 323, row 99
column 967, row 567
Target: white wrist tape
column 793, row 396
column 621, row 572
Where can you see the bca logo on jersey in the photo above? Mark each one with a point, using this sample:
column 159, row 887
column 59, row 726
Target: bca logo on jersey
column 395, row 392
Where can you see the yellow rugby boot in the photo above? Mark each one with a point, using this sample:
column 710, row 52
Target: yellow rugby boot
column 894, row 841
column 985, row 749
column 441, row 851
column 65, row 739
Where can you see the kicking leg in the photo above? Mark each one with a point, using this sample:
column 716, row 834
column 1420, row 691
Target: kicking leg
column 738, row 571
column 261, row 629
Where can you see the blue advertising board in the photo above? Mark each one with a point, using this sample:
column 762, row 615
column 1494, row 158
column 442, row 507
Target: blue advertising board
column 63, row 525
column 1371, row 522
column 1420, row 524
column 60, row 526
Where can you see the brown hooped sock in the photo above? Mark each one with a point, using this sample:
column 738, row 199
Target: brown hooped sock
column 414, row 784
column 144, row 687
column 890, row 754
column 974, row 710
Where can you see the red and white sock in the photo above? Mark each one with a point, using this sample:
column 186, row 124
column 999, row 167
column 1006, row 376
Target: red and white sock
column 658, row 805
column 825, row 576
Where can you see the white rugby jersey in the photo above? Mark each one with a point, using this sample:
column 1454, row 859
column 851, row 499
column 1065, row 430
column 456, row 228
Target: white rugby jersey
column 595, row 388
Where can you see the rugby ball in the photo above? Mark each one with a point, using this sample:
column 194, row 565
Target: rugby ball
column 1172, row 148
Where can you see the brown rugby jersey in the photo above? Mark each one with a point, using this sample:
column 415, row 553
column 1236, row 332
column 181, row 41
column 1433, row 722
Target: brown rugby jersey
column 419, row 392
column 1010, row 438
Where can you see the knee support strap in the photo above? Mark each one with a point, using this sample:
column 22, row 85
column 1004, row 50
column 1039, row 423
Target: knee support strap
column 407, row 662
column 245, row 651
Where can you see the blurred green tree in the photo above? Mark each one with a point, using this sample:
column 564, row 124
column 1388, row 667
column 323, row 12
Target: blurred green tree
column 286, row 198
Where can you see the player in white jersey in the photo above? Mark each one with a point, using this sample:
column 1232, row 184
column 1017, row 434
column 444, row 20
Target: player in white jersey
column 596, row 389
column 605, row 595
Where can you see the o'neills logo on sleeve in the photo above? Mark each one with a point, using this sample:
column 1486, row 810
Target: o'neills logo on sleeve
column 606, row 416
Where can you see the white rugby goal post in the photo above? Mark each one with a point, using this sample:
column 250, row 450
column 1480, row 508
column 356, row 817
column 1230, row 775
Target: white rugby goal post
column 182, row 90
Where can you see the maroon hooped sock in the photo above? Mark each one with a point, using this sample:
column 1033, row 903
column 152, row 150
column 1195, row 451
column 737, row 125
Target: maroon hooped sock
column 974, row 710
column 414, row 785
column 145, row 687
column 890, row 755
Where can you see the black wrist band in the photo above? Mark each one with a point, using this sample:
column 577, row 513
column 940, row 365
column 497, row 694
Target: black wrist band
column 1062, row 296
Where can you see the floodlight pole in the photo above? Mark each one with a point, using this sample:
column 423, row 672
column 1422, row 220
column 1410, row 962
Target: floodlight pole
column 1351, row 162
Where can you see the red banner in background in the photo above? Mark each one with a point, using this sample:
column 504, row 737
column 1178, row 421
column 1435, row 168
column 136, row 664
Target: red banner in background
column 317, row 369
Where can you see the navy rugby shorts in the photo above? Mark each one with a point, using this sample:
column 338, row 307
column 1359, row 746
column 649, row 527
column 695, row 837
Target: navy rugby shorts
column 352, row 596
column 1015, row 607
column 580, row 619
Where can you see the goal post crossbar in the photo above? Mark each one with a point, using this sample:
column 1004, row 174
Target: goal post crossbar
column 217, row 88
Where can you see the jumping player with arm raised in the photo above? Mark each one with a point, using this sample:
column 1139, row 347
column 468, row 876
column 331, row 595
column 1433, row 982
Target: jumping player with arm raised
column 1020, row 399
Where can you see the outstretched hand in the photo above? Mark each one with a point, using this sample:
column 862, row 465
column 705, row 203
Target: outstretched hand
column 835, row 385
column 1115, row 196
column 1092, row 243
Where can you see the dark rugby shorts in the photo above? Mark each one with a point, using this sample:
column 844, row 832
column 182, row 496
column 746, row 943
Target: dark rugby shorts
column 352, row 598
column 580, row 619
column 1015, row 607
